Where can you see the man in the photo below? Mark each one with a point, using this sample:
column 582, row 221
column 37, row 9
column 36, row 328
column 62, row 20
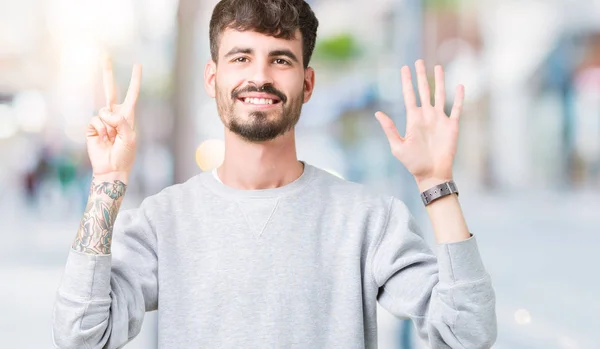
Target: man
column 268, row 251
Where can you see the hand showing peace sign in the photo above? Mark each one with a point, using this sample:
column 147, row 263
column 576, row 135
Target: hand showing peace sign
column 111, row 135
column 428, row 148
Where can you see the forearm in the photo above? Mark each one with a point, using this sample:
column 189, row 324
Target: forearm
column 446, row 216
column 95, row 230
column 103, row 296
column 450, row 298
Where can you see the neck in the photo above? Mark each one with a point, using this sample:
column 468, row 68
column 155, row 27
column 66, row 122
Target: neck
column 264, row 165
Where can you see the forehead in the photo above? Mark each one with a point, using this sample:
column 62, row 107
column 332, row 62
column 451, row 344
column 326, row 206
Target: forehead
column 258, row 42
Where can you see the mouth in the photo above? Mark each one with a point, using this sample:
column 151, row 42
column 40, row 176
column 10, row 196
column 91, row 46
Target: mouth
column 260, row 101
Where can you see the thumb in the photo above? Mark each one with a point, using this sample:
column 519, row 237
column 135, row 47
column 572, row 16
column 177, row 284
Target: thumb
column 118, row 122
column 390, row 130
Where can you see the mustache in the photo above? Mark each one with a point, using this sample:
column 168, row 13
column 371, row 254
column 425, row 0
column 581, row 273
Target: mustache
column 270, row 89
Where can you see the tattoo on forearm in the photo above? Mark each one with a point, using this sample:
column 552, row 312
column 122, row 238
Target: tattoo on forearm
column 95, row 231
column 114, row 190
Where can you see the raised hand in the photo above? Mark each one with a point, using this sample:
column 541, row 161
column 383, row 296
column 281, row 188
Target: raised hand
column 111, row 139
column 428, row 148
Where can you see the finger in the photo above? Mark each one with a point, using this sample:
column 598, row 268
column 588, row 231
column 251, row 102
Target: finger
column 110, row 118
column 424, row 92
column 97, row 128
column 116, row 121
column 111, row 132
column 389, row 128
column 133, row 91
column 458, row 103
column 440, row 88
column 110, row 90
column 408, row 91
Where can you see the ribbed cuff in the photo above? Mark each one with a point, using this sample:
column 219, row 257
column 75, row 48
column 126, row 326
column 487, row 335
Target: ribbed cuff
column 87, row 276
column 460, row 262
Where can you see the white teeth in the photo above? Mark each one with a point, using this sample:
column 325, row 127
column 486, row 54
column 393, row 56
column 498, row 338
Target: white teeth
column 258, row 101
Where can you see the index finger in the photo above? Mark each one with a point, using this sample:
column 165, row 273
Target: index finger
column 110, row 90
column 133, row 91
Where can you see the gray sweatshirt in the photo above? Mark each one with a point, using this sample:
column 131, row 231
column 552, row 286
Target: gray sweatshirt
column 300, row 266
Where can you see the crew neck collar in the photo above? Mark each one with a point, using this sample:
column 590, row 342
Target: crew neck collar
column 213, row 183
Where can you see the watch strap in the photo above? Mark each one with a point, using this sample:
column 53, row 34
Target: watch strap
column 439, row 191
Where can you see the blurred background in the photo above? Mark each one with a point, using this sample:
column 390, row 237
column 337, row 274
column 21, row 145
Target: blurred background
column 528, row 163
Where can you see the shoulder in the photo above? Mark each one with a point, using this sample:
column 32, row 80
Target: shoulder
column 342, row 191
column 174, row 197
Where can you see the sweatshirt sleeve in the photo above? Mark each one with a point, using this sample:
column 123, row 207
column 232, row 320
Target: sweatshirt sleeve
column 102, row 299
column 449, row 297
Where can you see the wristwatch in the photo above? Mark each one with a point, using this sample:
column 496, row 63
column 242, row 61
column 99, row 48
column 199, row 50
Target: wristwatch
column 439, row 191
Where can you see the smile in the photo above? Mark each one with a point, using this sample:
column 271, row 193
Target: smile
column 259, row 101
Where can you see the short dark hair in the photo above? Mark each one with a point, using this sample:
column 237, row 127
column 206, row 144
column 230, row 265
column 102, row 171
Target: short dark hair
column 276, row 18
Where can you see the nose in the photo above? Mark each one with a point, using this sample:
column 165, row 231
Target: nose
column 261, row 74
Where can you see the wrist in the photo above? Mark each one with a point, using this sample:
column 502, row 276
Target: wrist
column 111, row 177
column 429, row 183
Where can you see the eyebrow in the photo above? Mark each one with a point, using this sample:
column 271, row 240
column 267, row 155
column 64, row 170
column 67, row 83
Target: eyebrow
column 275, row 53
column 236, row 50
column 286, row 53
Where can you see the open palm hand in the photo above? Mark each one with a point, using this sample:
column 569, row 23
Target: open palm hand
column 428, row 148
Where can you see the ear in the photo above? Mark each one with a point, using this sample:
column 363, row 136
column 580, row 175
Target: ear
column 210, row 75
column 309, row 83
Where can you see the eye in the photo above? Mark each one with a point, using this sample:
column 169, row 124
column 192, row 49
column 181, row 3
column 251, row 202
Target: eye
column 281, row 61
column 240, row 60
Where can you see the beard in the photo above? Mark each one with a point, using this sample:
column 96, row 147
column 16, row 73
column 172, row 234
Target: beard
column 259, row 126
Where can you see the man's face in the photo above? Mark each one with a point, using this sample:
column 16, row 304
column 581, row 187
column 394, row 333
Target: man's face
column 259, row 83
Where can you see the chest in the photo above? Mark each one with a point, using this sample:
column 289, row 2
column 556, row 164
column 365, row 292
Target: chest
column 271, row 248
